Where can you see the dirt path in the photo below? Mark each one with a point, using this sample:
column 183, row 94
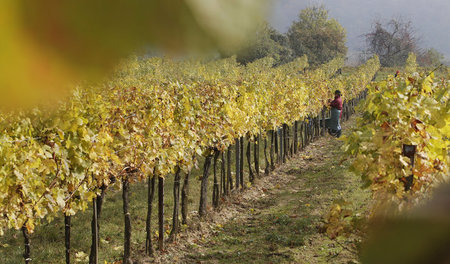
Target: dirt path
column 278, row 219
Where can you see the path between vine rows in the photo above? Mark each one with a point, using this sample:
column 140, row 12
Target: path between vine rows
column 277, row 220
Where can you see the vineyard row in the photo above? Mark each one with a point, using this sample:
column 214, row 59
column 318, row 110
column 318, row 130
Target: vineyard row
column 152, row 119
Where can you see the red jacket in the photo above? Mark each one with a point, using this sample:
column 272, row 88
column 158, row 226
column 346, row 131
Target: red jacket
column 337, row 103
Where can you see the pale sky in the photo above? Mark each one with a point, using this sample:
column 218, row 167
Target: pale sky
column 430, row 18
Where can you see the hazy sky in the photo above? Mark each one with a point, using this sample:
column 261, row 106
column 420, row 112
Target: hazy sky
column 430, row 18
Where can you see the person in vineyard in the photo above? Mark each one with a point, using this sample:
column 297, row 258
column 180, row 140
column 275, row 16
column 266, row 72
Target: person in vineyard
column 333, row 123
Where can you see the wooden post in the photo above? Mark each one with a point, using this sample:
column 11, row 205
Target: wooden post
column 127, row 220
column 223, row 178
column 266, row 159
column 241, row 164
column 256, row 154
column 184, row 198
column 67, row 221
column 251, row 175
column 317, row 125
column 275, row 139
column 409, row 151
column 94, row 227
column 285, row 142
column 281, row 144
column 307, row 134
column 176, row 204
column 161, row 230
column 295, row 137
column 148, row 223
column 97, row 208
column 27, row 252
column 204, row 186
column 230, row 179
column 238, row 166
column 272, row 158
column 348, row 112
column 324, row 127
column 216, row 188
column 302, row 134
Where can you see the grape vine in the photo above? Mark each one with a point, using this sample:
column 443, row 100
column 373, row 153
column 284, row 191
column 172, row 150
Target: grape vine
column 410, row 110
column 151, row 119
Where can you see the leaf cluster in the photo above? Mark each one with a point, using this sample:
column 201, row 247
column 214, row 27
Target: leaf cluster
column 405, row 110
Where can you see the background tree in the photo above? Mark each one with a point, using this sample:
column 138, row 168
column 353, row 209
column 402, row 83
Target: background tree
column 284, row 53
column 430, row 57
column 392, row 42
column 266, row 42
column 315, row 34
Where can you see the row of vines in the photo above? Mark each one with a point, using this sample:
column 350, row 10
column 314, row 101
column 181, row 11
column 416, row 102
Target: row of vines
column 154, row 118
column 401, row 143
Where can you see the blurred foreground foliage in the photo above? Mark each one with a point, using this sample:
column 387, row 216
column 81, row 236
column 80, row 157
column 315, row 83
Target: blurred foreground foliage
column 421, row 236
column 48, row 44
